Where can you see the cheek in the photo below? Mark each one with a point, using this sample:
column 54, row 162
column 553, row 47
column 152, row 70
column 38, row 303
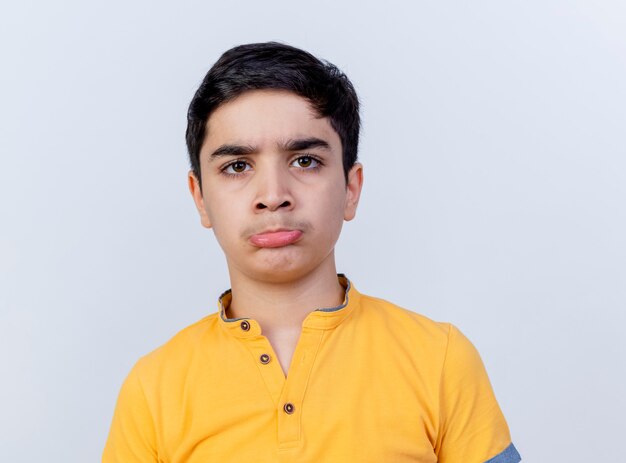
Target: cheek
column 331, row 209
column 225, row 218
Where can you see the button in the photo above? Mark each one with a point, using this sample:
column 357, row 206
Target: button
column 289, row 408
column 245, row 325
column 265, row 359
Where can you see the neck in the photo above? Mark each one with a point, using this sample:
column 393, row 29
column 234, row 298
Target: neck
column 283, row 306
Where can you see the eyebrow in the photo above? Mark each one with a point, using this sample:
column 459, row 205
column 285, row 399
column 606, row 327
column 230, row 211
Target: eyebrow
column 232, row 150
column 305, row 144
column 291, row 145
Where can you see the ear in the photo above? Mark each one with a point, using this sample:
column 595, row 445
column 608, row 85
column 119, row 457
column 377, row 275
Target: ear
column 353, row 191
column 194, row 188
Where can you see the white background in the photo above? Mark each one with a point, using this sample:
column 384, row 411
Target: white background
column 494, row 153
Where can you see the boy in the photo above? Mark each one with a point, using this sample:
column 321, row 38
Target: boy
column 297, row 365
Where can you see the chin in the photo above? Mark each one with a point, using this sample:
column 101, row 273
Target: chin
column 281, row 265
column 281, row 268
column 279, row 274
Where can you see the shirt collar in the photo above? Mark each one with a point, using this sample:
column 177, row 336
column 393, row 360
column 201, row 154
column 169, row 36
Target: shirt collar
column 324, row 318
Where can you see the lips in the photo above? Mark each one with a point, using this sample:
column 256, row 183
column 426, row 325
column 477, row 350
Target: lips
column 275, row 239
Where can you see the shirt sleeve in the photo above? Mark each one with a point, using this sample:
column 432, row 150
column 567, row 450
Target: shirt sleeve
column 132, row 437
column 472, row 426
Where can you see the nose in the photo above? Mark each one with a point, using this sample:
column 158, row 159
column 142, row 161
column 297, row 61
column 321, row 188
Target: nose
column 273, row 190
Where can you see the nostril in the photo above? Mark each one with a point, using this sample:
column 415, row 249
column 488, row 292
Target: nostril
column 272, row 206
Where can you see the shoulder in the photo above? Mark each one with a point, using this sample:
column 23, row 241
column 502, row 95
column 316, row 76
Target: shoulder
column 406, row 329
column 396, row 317
column 446, row 345
column 179, row 350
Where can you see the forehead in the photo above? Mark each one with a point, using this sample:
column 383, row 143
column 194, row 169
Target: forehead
column 267, row 117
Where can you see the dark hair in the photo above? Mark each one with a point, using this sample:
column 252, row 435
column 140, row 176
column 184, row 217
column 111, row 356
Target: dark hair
column 276, row 66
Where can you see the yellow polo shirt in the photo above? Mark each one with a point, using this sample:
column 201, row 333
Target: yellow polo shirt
column 368, row 382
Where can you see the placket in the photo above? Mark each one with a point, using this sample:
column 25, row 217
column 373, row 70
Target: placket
column 288, row 393
column 291, row 401
column 269, row 367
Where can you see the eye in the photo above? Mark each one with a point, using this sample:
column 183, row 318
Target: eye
column 236, row 167
column 307, row 162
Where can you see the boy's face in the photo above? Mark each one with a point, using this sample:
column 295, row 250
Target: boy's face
column 268, row 163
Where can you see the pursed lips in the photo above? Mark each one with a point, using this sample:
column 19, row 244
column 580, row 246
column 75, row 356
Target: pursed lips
column 274, row 238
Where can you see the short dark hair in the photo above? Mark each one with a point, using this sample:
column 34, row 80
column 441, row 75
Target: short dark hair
column 277, row 66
